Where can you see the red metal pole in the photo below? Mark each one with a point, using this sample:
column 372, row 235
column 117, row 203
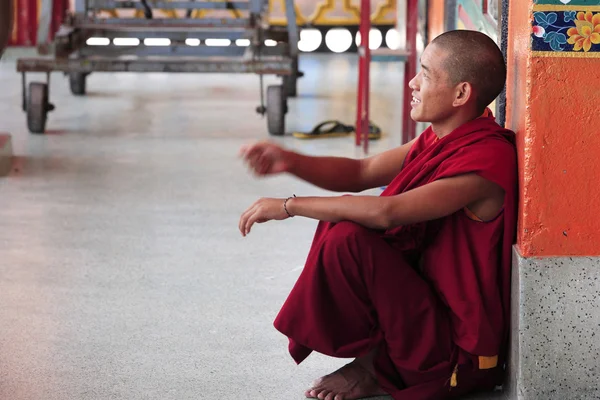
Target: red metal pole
column 366, row 7
column 32, row 21
column 58, row 13
column 409, row 127
column 26, row 18
column 22, row 7
column 364, row 61
column 359, row 99
column 13, row 37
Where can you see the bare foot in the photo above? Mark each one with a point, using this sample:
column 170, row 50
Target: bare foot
column 353, row 381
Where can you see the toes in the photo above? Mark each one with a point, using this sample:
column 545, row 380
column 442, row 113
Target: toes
column 339, row 396
column 323, row 394
column 315, row 388
column 330, row 396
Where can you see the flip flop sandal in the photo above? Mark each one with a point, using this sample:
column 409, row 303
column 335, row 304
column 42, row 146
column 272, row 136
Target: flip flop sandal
column 374, row 132
column 327, row 129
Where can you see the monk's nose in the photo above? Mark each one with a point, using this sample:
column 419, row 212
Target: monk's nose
column 413, row 83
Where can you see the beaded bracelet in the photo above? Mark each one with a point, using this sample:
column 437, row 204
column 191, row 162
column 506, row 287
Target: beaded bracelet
column 285, row 206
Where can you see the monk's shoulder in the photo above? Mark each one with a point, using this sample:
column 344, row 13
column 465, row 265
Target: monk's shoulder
column 497, row 150
column 494, row 158
column 493, row 147
column 491, row 157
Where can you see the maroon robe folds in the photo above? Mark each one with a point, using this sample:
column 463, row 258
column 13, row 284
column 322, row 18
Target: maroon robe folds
column 431, row 298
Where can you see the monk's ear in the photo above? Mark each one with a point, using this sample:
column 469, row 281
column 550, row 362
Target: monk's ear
column 463, row 93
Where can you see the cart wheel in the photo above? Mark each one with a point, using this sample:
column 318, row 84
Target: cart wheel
column 37, row 107
column 290, row 83
column 77, row 83
column 276, row 109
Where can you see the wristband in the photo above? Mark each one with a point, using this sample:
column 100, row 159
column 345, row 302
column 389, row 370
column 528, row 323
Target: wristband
column 285, row 206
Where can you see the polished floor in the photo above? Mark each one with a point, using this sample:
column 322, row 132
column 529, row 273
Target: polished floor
column 122, row 272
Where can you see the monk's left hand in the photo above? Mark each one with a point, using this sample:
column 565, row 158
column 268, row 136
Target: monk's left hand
column 261, row 211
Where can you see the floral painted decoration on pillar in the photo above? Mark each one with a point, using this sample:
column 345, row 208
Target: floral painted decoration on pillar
column 569, row 2
column 570, row 31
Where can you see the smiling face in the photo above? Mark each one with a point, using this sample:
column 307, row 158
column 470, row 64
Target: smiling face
column 462, row 72
column 433, row 94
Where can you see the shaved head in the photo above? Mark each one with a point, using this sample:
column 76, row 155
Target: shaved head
column 475, row 58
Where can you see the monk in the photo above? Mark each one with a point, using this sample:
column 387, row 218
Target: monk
column 413, row 284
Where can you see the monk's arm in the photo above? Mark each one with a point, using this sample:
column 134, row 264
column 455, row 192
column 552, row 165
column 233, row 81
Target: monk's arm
column 434, row 200
column 340, row 174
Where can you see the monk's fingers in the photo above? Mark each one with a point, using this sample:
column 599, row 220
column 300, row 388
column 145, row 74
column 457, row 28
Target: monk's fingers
column 261, row 166
column 248, row 221
column 252, row 164
column 264, row 164
column 249, row 157
column 249, row 149
column 241, row 224
column 256, row 166
column 252, row 219
column 257, row 213
column 244, row 218
column 253, row 153
column 243, row 150
column 242, row 221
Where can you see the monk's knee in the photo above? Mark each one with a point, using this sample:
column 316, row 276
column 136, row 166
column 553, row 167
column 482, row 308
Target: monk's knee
column 348, row 230
column 346, row 235
column 342, row 254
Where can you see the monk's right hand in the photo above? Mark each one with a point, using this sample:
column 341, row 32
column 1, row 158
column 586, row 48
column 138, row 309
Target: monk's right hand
column 265, row 158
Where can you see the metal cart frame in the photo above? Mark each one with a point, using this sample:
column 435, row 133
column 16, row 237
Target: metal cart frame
column 75, row 58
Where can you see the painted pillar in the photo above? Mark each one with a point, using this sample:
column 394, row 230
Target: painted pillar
column 26, row 17
column 552, row 98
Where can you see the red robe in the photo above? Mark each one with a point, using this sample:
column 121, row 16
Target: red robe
column 430, row 298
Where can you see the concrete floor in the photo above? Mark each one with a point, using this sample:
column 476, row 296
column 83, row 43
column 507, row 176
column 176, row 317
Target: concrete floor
column 122, row 272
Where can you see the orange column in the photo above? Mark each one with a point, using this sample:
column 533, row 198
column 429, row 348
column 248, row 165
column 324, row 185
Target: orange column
column 552, row 103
